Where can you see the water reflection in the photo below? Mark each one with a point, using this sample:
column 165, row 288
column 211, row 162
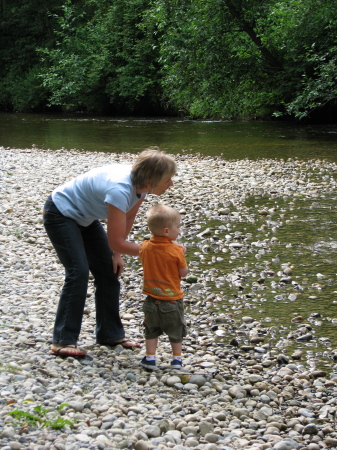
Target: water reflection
column 233, row 140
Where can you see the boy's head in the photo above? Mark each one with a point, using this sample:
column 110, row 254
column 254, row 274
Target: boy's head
column 164, row 221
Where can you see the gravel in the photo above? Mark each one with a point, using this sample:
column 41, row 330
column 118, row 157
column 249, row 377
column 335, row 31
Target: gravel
column 237, row 390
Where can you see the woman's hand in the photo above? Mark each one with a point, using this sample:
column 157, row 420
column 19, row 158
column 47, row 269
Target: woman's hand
column 117, row 264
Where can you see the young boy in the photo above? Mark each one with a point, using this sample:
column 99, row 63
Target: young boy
column 163, row 264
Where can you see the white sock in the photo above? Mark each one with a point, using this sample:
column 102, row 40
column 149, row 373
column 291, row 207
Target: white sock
column 150, row 357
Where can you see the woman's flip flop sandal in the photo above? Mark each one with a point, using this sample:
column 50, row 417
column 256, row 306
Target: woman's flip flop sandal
column 122, row 343
column 62, row 351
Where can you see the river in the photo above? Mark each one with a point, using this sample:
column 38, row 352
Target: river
column 308, row 242
column 232, row 140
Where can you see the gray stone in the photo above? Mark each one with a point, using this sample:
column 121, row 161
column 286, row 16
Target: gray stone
column 14, row 445
column 286, row 444
column 238, row 412
column 311, row 428
column 191, row 442
column 306, row 412
column 199, row 380
column 172, row 380
column 255, row 378
column 237, row 392
column 176, row 435
column 8, row 432
column 142, row 445
column 330, row 442
column 190, row 387
column 77, row 406
column 109, row 418
column 221, row 416
column 151, row 431
column 206, row 427
column 212, row 438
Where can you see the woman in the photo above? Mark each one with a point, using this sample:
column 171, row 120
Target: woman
column 71, row 218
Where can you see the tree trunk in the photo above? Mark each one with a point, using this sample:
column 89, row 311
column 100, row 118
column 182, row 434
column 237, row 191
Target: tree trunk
column 272, row 62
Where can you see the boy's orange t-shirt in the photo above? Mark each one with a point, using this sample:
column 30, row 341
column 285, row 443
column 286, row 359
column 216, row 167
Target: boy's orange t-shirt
column 161, row 260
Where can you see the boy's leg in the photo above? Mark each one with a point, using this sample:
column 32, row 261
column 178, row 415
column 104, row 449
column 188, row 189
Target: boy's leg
column 176, row 348
column 174, row 325
column 176, row 362
column 151, row 346
column 149, row 360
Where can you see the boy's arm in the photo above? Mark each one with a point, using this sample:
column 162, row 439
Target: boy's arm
column 183, row 272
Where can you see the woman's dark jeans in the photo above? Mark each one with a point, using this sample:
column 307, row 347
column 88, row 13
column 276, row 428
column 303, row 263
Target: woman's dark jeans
column 81, row 249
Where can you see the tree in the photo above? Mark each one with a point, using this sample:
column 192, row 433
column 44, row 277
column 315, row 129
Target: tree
column 102, row 57
column 307, row 41
column 202, row 58
column 245, row 58
column 211, row 66
column 24, row 24
column 249, row 26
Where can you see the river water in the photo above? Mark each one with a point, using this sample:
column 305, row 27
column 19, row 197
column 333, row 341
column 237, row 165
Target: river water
column 233, row 140
column 309, row 242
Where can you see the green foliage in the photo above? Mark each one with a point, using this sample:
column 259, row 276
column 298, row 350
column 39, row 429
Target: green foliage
column 132, row 68
column 201, row 58
column 42, row 417
column 319, row 89
column 23, row 25
column 211, row 68
column 72, row 67
column 304, row 34
column 22, row 92
column 248, row 59
column 101, row 56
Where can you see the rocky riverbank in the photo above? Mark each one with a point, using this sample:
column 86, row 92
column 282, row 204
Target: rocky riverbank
column 239, row 388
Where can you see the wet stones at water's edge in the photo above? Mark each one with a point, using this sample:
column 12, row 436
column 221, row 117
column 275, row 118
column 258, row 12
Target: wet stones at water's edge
column 244, row 385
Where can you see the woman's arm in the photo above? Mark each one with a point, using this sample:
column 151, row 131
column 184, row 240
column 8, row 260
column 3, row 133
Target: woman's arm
column 119, row 226
column 131, row 215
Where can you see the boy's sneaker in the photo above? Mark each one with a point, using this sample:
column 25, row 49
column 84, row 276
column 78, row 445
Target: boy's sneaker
column 176, row 364
column 151, row 365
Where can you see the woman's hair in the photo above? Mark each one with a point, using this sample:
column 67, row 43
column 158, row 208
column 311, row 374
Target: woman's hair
column 152, row 165
column 160, row 216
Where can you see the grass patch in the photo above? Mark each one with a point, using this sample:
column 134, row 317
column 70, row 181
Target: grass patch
column 41, row 417
column 5, row 368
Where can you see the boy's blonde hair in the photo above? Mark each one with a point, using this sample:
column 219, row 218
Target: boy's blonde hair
column 152, row 165
column 161, row 216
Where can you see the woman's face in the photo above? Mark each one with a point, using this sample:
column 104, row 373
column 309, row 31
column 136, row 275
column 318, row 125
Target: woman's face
column 163, row 185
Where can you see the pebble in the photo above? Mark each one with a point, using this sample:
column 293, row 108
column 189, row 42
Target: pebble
column 237, row 389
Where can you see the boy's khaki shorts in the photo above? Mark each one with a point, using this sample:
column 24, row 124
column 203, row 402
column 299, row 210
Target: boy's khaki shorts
column 164, row 316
